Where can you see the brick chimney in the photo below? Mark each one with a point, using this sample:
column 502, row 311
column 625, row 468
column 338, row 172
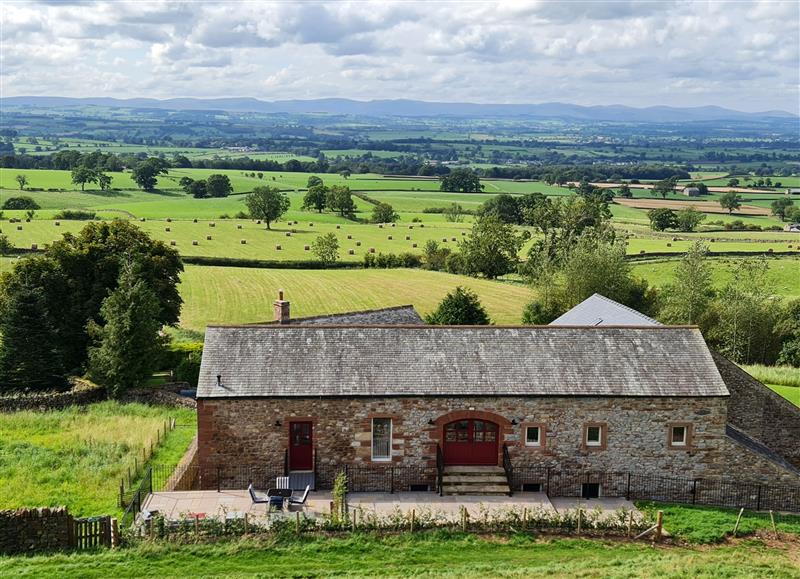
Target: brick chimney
column 281, row 309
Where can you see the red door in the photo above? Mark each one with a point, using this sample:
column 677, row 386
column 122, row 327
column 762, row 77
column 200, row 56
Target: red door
column 470, row 442
column 301, row 446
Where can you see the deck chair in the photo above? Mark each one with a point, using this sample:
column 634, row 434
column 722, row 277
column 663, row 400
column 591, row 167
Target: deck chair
column 296, row 504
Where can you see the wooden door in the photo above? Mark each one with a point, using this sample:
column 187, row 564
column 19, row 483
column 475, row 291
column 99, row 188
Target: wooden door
column 301, row 446
column 470, row 442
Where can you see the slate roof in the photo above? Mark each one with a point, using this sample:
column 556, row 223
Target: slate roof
column 394, row 316
column 299, row 360
column 598, row 310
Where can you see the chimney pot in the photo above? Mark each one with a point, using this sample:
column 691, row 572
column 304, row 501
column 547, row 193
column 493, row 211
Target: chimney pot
column 281, row 309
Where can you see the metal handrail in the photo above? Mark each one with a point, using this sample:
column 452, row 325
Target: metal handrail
column 508, row 468
column 439, row 470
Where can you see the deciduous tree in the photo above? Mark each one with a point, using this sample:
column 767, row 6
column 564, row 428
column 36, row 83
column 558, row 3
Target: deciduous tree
column 267, row 204
column 730, row 201
column 326, row 248
column 460, row 307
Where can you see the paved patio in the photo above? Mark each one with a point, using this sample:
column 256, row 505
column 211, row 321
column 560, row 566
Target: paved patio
column 178, row 505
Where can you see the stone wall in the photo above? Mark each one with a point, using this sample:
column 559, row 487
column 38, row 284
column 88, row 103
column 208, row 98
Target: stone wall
column 82, row 393
column 761, row 413
column 164, row 395
column 254, row 432
column 31, row 530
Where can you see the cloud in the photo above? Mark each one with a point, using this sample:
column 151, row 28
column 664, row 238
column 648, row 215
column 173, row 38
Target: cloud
column 744, row 55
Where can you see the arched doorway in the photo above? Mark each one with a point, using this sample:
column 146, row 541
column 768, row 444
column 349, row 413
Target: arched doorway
column 470, row 441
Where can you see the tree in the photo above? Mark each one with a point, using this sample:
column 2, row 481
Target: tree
column 688, row 218
column 145, row 173
column 267, row 204
column 384, row 213
column 5, row 244
column 82, row 175
column 491, row 249
column 128, row 342
column 537, row 313
column 185, row 183
column 454, row 213
column 20, row 203
column 730, row 201
column 104, row 181
column 340, row 199
column 198, row 189
column 733, row 182
column 661, row 219
column 504, row 206
column 793, row 214
column 22, row 181
column 434, row 257
column 625, row 191
column 687, row 299
column 29, row 356
column 460, row 307
column 665, row 187
column 316, row 197
column 313, row 181
column 781, row 206
column 218, row 185
column 345, row 173
column 465, row 180
column 326, row 248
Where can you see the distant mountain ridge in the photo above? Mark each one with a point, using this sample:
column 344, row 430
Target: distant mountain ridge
column 413, row 108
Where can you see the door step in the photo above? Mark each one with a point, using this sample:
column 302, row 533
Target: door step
column 479, row 489
column 474, row 480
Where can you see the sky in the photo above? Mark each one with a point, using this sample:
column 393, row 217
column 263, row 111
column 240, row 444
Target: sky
column 741, row 55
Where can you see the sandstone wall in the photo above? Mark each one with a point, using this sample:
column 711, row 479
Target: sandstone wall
column 29, row 530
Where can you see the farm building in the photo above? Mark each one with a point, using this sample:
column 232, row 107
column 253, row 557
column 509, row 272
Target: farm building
column 691, row 191
column 305, row 398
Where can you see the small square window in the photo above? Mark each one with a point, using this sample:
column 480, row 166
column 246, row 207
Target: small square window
column 533, row 436
column 594, row 436
column 678, row 436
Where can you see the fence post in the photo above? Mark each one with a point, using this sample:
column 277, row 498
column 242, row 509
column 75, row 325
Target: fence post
column 659, row 525
column 738, row 519
column 548, row 482
column 580, row 512
column 391, row 480
column 122, row 493
column 413, row 519
column 694, row 491
column 114, row 533
column 628, row 490
column 772, row 518
column 218, row 481
column 758, row 501
column 630, row 523
column 297, row 523
column 463, row 518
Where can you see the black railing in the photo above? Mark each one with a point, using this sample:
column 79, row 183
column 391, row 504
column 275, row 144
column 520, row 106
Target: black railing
column 509, row 469
column 138, row 497
column 439, row 470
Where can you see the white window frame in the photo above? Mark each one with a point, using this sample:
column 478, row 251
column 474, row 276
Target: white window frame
column 538, row 436
column 675, row 442
column 387, row 458
column 599, row 441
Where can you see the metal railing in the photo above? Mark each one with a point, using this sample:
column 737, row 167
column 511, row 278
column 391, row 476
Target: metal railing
column 138, row 497
column 509, row 469
column 439, row 470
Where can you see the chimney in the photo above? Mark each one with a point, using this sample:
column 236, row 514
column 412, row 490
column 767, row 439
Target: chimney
column 281, row 309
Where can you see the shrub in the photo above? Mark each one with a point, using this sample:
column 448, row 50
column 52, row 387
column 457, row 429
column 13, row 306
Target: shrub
column 188, row 369
column 75, row 215
column 20, row 203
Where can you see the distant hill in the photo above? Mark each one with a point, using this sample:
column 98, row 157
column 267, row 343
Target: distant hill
column 412, row 108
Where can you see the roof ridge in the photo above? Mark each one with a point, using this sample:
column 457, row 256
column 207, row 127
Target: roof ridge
column 659, row 327
column 335, row 315
column 630, row 309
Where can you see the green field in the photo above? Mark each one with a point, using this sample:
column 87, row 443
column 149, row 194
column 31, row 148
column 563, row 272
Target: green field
column 791, row 393
column 232, row 295
column 76, row 457
column 438, row 554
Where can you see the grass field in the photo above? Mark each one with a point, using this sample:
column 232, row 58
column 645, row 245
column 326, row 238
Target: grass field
column 783, row 272
column 791, row 393
column 424, row 555
column 239, row 295
column 76, row 457
column 780, row 375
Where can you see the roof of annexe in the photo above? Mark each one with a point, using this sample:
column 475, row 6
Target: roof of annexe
column 295, row 361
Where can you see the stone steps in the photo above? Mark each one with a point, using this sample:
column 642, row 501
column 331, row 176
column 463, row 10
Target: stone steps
column 474, row 480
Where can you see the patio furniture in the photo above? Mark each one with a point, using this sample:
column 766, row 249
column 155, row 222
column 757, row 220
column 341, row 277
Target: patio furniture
column 258, row 498
column 298, row 504
column 277, row 497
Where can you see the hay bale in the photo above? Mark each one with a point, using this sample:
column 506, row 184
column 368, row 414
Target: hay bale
column 307, row 248
column 208, row 238
column 169, row 220
column 389, row 237
column 444, row 240
column 58, row 224
column 166, row 229
column 669, row 245
column 142, row 219
column 349, row 237
column 195, row 242
column 311, row 225
column 338, row 227
column 380, row 226
column 239, row 226
column 288, row 234
column 408, row 238
column 372, row 250
column 243, row 242
column 351, row 252
column 358, row 244
column 212, row 224
column 393, row 224
column 413, row 245
column 194, row 220
column 452, row 239
column 34, row 247
column 173, row 242
column 641, row 252
column 19, row 227
column 277, row 247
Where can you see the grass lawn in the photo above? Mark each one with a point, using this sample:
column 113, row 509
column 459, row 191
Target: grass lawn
column 779, row 375
column 76, row 457
column 438, row 554
column 237, row 295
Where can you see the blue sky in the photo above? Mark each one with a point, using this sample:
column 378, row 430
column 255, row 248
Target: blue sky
column 742, row 55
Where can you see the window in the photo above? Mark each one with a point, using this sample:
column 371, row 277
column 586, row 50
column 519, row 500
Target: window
column 533, row 436
column 679, row 435
column 381, row 439
column 595, row 436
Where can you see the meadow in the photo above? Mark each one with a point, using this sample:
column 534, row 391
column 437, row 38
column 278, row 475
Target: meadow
column 428, row 554
column 248, row 293
column 76, row 457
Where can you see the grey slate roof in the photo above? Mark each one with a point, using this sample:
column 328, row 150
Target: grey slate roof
column 598, row 310
column 394, row 316
column 297, row 360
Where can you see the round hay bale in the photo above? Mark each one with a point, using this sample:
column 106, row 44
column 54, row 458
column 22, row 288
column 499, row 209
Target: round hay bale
column 142, row 219
column 311, row 225
column 358, row 244
column 421, row 225
column 239, row 226
column 243, row 242
column 259, row 222
column 28, row 220
column 288, row 234
column 769, row 250
column 411, row 227
column 208, row 238
column 380, row 226
column 389, row 237
column 195, row 242
column 669, row 245
column 413, row 245
column 58, row 224
column 173, row 242
column 34, row 247
column 338, row 227
column 212, row 224
column 372, row 250
column 351, row 252
column 194, row 220
column 453, row 239
column 277, row 247
column 408, row 238
column 169, row 220
column 444, row 240
column 641, row 252
column 19, row 227
column 307, row 248
column 349, row 237
column 166, row 229
column 463, row 233
column 674, row 239
column 393, row 224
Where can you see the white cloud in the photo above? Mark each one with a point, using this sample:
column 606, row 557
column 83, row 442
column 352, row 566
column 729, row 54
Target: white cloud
column 744, row 55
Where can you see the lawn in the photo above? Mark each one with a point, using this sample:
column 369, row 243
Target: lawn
column 232, row 295
column 779, row 375
column 438, row 554
column 76, row 457
column 791, row 393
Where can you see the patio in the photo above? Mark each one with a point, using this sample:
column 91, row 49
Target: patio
column 176, row 505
